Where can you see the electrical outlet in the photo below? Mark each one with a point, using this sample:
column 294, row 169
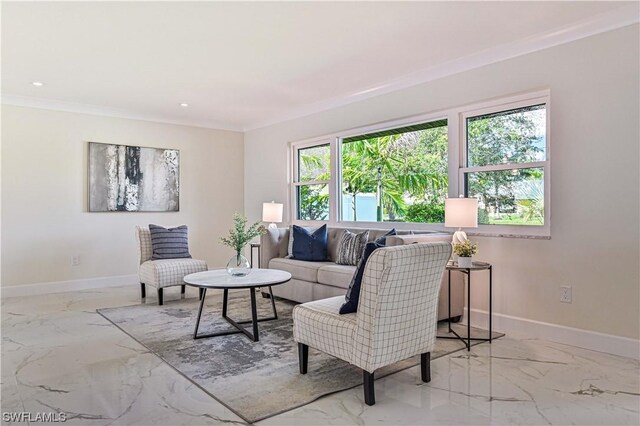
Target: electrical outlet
column 75, row 260
column 565, row 294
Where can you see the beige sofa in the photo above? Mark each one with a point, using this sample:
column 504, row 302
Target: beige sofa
column 320, row 280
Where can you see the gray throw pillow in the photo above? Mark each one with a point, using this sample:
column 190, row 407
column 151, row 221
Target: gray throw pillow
column 351, row 247
column 169, row 243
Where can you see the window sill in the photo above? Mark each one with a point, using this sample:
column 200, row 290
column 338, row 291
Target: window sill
column 507, row 235
column 431, row 227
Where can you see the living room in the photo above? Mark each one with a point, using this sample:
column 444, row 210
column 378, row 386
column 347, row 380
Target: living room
column 240, row 89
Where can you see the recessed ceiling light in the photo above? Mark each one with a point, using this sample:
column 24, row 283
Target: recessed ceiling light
column 184, row 105
column 37, row 83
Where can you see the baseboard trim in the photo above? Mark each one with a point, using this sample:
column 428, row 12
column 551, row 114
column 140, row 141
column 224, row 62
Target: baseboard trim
column 52, row 287
column 526, row 328
column 65, row 286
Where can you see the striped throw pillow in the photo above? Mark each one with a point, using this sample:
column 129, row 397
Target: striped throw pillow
column 351, row 247
column 169, row 243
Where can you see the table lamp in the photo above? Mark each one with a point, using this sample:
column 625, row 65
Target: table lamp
column 272, row 212
column 460, row 213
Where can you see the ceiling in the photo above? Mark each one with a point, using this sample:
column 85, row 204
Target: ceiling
column 242, row 65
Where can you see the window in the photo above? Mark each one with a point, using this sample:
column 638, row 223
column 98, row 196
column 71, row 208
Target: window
column 312, row 182
column 397, row 175
column 401, row 171
column 505, row 154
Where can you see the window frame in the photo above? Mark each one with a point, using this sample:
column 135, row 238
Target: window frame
column 380, row 127
column 501, row 105
column 457, row 166
column 295, row 148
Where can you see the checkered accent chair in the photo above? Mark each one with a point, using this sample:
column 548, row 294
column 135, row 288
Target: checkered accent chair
column 396, row 317
column 162, row 273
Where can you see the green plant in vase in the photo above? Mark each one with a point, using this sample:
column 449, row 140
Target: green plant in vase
column 465, row 251
column 239, row 236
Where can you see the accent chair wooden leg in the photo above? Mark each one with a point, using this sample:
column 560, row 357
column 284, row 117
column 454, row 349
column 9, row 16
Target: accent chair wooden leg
column 143, row 291
column 369, row 391
column 160, row 301
column 425, row 366
column 200, row 293
column 303, row 357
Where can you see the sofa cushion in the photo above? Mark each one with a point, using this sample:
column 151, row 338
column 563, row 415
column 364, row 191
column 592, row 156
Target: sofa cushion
column 353, row 293
column 299, row 269
column 351, row 247
column 169, row 272
column 319, row 325
column 169, row 243
column 310, row 245
column 336, row 275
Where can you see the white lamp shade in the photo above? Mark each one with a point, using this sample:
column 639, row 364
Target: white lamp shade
column 461, row 212
column 272, row 212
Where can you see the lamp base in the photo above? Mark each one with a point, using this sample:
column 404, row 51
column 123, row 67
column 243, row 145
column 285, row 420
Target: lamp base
column 272, row 225
column 459, row 237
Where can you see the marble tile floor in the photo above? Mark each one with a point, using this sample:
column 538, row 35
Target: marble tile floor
column 58, row 354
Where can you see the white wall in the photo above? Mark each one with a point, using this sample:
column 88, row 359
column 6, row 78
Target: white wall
column 594, row 186
column 44, row 194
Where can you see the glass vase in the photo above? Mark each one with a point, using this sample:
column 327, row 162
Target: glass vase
column 238, row 265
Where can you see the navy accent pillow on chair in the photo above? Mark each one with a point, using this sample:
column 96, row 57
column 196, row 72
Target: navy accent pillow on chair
column 169, row 243
column 353, row 293
column 310, row 245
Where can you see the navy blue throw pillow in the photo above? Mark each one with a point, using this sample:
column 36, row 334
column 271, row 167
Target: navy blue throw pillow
column 353, row 293
column 169, row 243
column 382, row 240
column 310, row 245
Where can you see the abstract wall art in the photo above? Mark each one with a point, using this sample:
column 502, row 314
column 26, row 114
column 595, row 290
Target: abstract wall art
column 133, row 178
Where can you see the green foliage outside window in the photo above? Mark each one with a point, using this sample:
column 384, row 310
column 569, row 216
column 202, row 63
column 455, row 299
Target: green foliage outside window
column 314, row 202
column 401, row 169
column 514, row 196
column 425, row 213
column 407, row 172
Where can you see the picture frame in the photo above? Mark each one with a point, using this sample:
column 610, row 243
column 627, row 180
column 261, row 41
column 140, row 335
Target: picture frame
column 124, row 178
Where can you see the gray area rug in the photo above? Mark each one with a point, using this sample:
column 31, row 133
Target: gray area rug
column 254, row 380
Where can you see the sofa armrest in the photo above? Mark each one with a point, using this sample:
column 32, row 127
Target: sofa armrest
column 274, row 243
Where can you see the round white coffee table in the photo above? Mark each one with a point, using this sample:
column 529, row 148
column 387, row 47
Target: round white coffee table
column 220, row 279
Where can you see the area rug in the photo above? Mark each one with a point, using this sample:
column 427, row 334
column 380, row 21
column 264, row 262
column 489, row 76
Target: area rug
column 254, row 380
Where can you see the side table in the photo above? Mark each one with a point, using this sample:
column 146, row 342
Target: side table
column 254, row 245
column 476, row 266
column 265, row 295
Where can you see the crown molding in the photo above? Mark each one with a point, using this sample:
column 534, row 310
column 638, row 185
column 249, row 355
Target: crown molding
column 608, row 21
column 56, row 105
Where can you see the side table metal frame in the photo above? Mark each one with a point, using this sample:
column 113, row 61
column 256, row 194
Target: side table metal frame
column 467, row 271
column 254, row 245
column 258, row 246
